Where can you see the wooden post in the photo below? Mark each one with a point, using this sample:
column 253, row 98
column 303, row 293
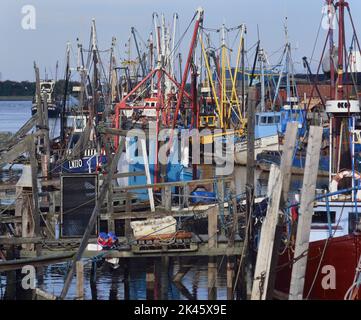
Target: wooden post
column 147, row 173
column 287, row 159
column 50, row 217
column 230, row 277
column 212, row 227
column 150, row 281
column 38, row 96
column 168, row 198
column 35, row 202
column 267, row 257
column 10, row 290
column 212, row 243
column 79, row 280
column 110, row 208
column 164, row 277
column 186, row 196
column 306, row 212
column 220, row 192
column 250, row 147
column 19, row 206
column 234, row 227
column 247, row 270
column 212, row 278
column 126, row 280
column 128, row 208
column 46, row 154
column 93, row 280
column 264, row 255
column 286, row 171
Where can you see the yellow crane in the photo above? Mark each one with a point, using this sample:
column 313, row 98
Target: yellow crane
column 227, row 100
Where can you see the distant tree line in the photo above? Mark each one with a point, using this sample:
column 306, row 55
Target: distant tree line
column 27, row 88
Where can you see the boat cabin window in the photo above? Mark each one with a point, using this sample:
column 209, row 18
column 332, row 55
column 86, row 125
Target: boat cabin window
column 321, row 217
column 353, row 221
column 150, row 104
column 269, row 120
column 79, row 123
column 46, row 86
column 356, row 137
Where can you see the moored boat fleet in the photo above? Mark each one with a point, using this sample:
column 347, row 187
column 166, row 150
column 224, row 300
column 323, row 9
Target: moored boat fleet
column 164, row 117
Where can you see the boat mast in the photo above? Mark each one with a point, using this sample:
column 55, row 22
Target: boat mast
column 67, row 76
column 141, row 61
column 341, row 108
column 175, row 19
column 263, row 94
column 223, row 81
column 331, row 12
column 341, row 40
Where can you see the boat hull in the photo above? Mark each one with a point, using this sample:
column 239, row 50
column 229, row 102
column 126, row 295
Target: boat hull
column 53, row 111
column 336, row 267
column 270, row 143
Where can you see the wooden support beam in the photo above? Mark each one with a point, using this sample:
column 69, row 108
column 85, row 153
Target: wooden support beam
column 4, row 219
column 17, row 150
column 183, row 270
column 34, row 189
column 287, row 159
column 247, row 267
column 267, row 257
column 42, row 295
column 45, row 157
column 305, row 213
column 21, row 132
column 190, row 183
column 79, row 280
column 18, row 241
column 38, row 96
column 126, row 175
column 39, row 261
column 264, row 256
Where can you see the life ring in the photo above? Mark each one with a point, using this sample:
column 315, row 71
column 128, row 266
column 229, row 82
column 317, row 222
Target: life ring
column 341, row 175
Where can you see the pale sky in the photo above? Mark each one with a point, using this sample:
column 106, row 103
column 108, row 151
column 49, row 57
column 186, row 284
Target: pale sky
column 59, row 21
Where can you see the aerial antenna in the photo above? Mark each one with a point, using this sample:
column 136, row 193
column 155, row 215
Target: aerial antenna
column 56, row 70
column 285, row 25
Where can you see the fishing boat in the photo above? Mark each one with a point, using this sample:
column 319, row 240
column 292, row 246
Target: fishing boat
column 47, row 89
column 270, row 125
column 333, row 258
